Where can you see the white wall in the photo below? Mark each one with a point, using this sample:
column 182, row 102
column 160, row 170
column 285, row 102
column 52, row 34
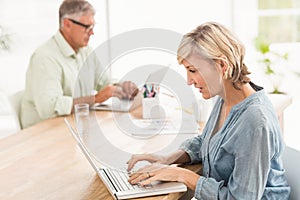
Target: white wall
column 173, row 15
column 177, row 15
column 31, row 23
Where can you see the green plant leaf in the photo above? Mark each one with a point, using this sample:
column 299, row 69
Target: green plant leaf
column 262, row 45
column 269, row 70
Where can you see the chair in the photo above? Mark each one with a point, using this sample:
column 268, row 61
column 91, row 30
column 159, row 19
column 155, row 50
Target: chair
column 291, row 162
column 15, row 101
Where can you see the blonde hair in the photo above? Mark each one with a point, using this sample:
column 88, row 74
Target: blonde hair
column 211, row 41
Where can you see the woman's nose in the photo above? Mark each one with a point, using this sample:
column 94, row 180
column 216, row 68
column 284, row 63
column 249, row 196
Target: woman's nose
column 190, row 81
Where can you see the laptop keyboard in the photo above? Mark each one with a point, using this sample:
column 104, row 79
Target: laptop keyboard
column 119, row 178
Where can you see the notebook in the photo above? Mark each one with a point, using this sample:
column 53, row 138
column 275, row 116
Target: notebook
column 150, row 127
column 124, row 105
column 116, row 179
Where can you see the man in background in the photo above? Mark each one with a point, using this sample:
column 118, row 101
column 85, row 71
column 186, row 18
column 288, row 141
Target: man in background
column 65, row 71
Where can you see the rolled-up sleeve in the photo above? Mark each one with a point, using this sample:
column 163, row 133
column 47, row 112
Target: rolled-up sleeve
column 207, row 188
column 63, row 105
column 46, row 87
column 193, row 147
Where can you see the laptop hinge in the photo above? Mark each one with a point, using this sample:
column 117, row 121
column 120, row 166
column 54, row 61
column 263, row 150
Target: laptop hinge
column 109, row 179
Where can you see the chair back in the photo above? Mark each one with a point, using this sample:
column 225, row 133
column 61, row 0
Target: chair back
column 291, row 163
column 15, row 101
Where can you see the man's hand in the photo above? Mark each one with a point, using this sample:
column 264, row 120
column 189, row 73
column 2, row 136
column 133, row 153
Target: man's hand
column 107, row 92
column 124, row 90
column 129, row 89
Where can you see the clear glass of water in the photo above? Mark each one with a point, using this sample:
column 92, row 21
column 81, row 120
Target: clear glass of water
column 82, row 120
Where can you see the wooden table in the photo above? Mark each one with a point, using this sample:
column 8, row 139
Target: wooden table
column 44, row 162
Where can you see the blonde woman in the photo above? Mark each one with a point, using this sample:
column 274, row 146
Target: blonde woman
column 240, row 147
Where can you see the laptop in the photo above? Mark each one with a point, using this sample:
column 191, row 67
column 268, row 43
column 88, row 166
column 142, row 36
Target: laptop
column 124, row 105
column 116, row 179
column 119, row 105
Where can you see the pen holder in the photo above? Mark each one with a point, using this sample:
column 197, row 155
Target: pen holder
column 151, row 108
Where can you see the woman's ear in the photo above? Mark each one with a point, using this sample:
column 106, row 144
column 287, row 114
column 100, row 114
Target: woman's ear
column 224, row 65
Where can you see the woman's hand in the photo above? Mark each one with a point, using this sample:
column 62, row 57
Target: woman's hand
column 178, row 157
column 146, row 157
column 161, row 172
column 154, row 172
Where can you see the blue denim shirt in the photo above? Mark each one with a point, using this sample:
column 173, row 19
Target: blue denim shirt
column 243, row 159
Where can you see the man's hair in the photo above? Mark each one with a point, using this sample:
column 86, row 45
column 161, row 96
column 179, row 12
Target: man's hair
column 74, row 9
column 212, row 40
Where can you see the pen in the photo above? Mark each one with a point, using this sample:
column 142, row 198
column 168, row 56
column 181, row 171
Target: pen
column 185, row 110
column 169, row 95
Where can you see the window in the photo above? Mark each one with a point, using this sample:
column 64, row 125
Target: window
column 279, row 24
column 279, row 21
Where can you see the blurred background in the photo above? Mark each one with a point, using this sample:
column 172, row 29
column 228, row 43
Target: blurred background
column 270, row 30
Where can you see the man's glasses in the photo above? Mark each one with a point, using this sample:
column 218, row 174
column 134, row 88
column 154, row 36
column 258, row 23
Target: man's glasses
column 88, row 27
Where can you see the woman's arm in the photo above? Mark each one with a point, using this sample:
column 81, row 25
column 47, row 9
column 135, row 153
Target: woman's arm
column 178, row 157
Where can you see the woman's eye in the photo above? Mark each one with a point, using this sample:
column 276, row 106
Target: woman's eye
column 192, row 70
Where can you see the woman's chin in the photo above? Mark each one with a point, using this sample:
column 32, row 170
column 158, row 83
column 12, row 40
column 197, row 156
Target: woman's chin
column 206, row 96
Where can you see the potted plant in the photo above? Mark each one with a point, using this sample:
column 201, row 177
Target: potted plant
column 274, row 63
column 4, row 39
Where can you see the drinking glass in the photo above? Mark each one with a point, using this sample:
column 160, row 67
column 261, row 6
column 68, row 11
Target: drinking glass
column 82, row 120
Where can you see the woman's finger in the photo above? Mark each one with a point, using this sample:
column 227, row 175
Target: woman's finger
column 136, row 178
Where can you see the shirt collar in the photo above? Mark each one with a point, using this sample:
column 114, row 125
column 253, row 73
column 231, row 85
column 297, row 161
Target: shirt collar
column 250, row 99
column 64, row 46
